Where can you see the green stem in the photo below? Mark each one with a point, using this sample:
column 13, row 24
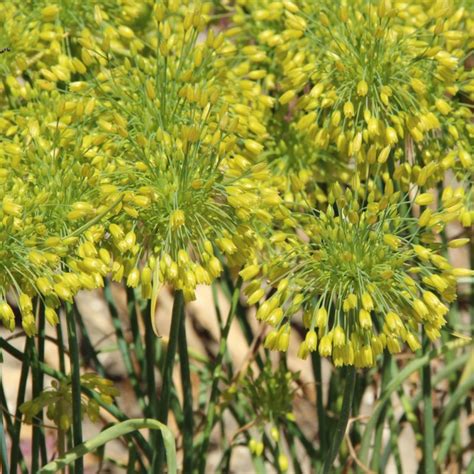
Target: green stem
column 137, row 338
column 167, row 370
column 60, row 346
column 116, row 431
column 150, row 359
column 8, row 422
column 188, row 427
column 38, row 442
column 343, row 419
column 211, row 408
column 381, row 421
column 61, row 445
column 16, row 454
column 428, row 425
column 123, row 345
column 75, row 385
column 321, row 412
column 413, row 366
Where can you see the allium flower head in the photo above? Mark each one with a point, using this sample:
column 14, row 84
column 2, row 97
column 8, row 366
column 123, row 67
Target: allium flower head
column 365, row 275
column 365, row 80
column 50, row 167
column 185, row 190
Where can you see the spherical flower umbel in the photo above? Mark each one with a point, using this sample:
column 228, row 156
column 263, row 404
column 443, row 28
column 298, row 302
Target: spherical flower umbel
column 365, row 80
column 187, row 194
column 365, row 274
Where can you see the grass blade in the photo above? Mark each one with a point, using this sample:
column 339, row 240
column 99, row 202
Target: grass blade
column 114, row 432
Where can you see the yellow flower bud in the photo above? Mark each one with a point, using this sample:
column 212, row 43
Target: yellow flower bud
column 443, row 106
column 6, row 312
column 413, row 342
column 25, row 304
column 177, row 219
column 456, row 243
column 420, row 309
column 133, row 278
column 462, row 272
column 303, row 351
column 339, row 338
column 425, row 217
column 146, row 276
column 392, row 241
column 391, row 136
column 393, row 345
column 424, row 199
column 348, row 109
column 325, row 346
column 253, row 147
column 63, row 292
column 364, row 319
column 311, row 340
column 384, row 154
column 50, row 12
column 283, row 341
column 29, row 324
column 321, row 318
column 362, row 88
column 283, row 463
column 255, row 296
column 51, row 316
column 288, row 96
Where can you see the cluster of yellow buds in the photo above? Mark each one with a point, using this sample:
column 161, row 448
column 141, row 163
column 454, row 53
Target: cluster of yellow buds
column 269, row 394
column 365, row 277
column 57, row 400
column 378, row 81
column 186, row 189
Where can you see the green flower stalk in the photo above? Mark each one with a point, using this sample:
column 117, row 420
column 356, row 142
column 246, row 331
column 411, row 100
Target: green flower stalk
column 364, row 274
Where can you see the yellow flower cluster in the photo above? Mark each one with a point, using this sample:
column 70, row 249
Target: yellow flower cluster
column 57, row 400
column 375, row 80
column 364, row 277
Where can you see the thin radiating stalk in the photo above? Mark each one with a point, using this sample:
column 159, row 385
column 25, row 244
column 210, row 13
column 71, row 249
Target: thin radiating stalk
column 188, row 428
column 428, row 425
column 343, row 419
column 16, row 454
column 211, row 408
column 167, row 370
column 75, row 385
